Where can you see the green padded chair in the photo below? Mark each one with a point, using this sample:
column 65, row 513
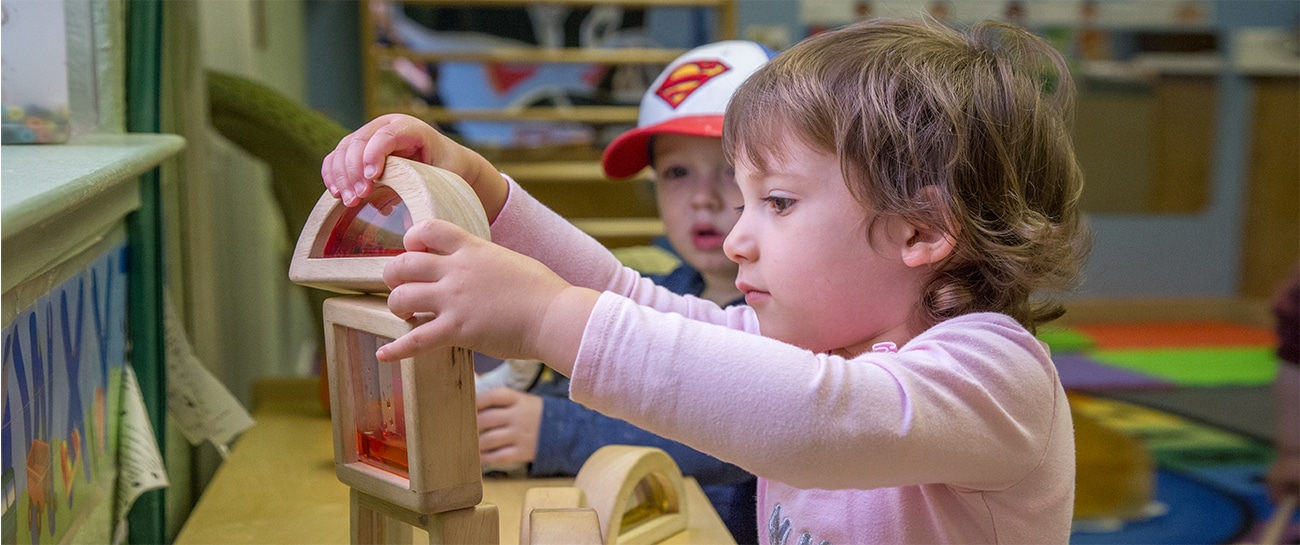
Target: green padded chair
column 291, row 138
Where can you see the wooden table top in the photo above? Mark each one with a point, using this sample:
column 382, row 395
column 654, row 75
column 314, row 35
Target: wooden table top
column 278, row 484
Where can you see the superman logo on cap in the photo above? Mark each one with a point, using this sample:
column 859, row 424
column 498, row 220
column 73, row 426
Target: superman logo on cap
column 685, row 79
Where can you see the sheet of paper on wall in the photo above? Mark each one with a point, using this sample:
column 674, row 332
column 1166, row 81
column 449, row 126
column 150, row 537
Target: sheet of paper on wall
column 204, row 409
column 140, row 464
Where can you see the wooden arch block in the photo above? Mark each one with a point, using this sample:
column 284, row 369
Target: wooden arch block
column 637, row 493
column 344, row 249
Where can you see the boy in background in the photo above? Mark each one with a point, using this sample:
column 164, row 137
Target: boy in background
column 678, row 135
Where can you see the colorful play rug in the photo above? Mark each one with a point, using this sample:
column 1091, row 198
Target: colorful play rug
column 1162, row 355
column 1202, row 483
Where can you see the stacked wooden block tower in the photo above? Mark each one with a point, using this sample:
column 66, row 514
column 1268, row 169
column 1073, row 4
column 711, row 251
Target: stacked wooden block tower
column 405, row 433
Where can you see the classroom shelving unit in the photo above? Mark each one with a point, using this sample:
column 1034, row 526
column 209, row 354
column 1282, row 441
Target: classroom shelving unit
column 566, row 178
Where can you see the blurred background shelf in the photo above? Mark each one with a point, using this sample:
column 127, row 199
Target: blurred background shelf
column 551, row 85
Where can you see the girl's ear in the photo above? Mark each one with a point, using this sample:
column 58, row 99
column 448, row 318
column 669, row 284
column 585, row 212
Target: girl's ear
column 925, row 245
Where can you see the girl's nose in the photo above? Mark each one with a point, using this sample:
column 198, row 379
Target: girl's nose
column 739, row 245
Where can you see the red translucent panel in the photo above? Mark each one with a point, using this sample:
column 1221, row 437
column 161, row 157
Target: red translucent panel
column 379, row 412
column 374, row 228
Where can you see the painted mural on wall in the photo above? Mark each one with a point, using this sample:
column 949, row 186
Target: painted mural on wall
column 63, row 361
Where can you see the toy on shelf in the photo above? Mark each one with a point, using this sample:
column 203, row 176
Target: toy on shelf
column 405, row 433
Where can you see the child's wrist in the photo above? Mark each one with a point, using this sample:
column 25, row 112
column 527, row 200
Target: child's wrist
column 560, row 334
column 488, row 183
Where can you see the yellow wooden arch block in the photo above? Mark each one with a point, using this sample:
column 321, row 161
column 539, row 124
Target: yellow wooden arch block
column 637, row 493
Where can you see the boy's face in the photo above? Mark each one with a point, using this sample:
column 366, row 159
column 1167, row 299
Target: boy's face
column 697, row 195
column 806, row 265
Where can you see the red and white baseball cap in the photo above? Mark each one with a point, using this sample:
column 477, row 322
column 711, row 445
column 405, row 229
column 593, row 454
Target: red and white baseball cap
column 689, row 97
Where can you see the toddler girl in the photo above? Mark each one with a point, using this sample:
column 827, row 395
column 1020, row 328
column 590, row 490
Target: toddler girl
column 909, row 196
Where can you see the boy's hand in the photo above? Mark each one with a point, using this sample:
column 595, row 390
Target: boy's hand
column 350, row 170
column 468, row 292
column 509, row 423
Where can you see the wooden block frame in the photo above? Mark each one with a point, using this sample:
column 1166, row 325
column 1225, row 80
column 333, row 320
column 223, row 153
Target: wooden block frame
column 427, row 192
column 563, row 526
column 437, row 411
column 377, row 521
column 614, row 474
column 549, row 497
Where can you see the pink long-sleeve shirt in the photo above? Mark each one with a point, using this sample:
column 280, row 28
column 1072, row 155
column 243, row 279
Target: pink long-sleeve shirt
column 962, row 436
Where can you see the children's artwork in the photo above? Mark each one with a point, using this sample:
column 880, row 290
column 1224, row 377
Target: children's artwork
column 63, row 373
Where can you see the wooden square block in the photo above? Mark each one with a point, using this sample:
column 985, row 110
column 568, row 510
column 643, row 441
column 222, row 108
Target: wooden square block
column 405, row 432
column 377, row 521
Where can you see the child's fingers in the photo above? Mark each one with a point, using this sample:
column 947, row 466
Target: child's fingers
column 327, row 174
column 394, row 134
column 353, row 164
column 424, row 243
column 386, row 139
column 502, row 456
column 436, row 236
column 416, row 297
column 333, row 169
column 496, row 397
column 491, row 418
column 423, row 338
column 497, row 438
column 336, row 173
column 341, row 179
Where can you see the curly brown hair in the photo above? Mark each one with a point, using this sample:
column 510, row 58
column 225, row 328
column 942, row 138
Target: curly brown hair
column 965, row 132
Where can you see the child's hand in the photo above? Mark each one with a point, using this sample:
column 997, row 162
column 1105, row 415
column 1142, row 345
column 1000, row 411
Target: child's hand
column 509, row 422
column 468, row 292
column 359, row 157
column 350, row 170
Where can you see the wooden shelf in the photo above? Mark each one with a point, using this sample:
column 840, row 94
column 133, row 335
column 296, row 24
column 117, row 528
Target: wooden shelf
column 620, row 227
column 566, row 176
column 621, row 232
column 562, row 172
column 621, row 3
column 378, row 56
column 633, row 55
column 595, row 115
